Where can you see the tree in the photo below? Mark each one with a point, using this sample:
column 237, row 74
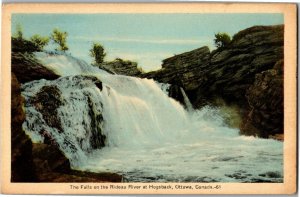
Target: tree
column 60, row 38
column 39, row 41
column 222, row 40
column 19, row 32
column 97, row 52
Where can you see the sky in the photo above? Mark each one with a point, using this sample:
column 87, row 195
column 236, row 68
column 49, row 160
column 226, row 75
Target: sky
column 144, row 38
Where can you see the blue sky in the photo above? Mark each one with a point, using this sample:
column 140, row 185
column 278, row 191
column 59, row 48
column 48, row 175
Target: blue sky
column 145, row 38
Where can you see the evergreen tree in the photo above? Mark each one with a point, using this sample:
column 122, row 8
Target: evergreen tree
column 60, row 38
column 97, row 52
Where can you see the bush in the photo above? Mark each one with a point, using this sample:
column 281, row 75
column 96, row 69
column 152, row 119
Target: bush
column 97, row 52
column 222, row 40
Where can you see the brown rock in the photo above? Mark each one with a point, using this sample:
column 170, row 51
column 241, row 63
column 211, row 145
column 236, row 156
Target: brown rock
column 265, row 98
column 49, row 158
column 122, row 67
column 22, row 169
column 47, row 101
column 27, row 68
column 52, row 166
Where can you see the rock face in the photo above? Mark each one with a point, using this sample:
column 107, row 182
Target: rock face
column 22, row 168
column 23, row 46
column 184, row 70
column 234, row 74
column 122, row 67
column 265, row 98
column 53, row 166
column 27, row 68
column 47, row 102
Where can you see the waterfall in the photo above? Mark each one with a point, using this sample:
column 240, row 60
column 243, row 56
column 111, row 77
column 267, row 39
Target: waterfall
column 186, row 100
column 130, row 126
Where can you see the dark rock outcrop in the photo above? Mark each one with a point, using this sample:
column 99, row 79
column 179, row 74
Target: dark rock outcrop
column 27, row 68
column 185, row 70
column 53, row 166
column 265, row 98
column 23, row 46
column 46, row 101
column 22, row 168
column 121, row 67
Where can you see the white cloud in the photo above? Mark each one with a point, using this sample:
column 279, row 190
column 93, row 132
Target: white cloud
column 143, row 40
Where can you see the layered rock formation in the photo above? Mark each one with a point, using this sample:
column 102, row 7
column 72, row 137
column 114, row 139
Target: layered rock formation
column 185, row 70
column 231, row 72
column 265, row 97
column 121, row 67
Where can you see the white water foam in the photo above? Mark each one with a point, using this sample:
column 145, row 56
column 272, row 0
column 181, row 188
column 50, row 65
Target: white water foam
column 151, row 137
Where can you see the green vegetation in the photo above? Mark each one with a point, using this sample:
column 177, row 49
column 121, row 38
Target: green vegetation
column 222, row 40
column 60, row 38
column 39, row 41
column 19, row 32
column 97, row 52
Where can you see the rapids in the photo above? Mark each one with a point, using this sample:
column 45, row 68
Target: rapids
column 149, row 136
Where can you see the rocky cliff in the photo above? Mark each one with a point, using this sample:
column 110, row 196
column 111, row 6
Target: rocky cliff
column 233, row 74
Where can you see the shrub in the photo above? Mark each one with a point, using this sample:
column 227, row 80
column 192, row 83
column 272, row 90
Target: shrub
column 222, row 40
column 39, row 41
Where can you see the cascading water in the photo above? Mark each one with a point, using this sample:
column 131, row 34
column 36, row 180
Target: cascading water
column 146, row 135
